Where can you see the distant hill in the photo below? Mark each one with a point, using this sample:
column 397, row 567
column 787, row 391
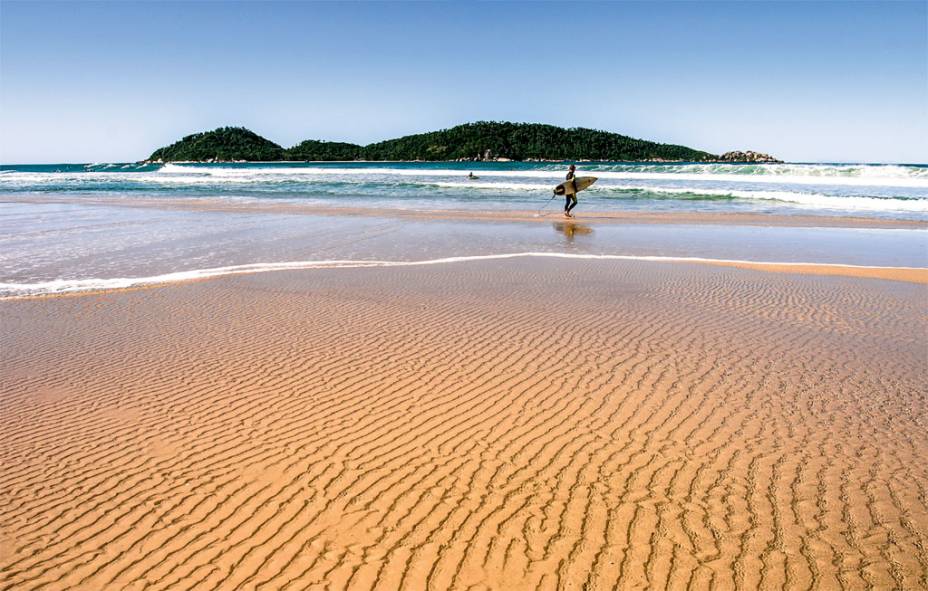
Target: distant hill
column 525, row 141
column 319, row 150
column 483, row 140
column 222, row 144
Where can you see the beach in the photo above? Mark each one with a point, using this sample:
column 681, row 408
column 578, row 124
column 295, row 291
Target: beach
column 499, row 424
column 221, row 388
column 455, row 296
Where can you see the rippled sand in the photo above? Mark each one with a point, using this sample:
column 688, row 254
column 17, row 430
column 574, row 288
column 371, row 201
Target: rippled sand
column 511, row 424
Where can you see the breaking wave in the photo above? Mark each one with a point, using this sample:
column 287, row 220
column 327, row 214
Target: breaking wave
column 879, row 189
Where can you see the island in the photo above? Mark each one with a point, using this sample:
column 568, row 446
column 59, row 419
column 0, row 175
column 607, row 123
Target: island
column 480, row 141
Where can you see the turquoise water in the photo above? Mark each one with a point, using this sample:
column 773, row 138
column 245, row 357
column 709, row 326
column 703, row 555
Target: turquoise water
column 874, row 190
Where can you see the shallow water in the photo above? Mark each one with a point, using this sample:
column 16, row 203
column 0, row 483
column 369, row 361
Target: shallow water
column 80, row 239
column 99, row 245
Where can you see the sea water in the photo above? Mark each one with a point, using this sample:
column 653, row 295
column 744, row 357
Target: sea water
column 895, row 190
column 58, row 235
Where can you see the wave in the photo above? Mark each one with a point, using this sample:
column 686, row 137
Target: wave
column 824, row 171
column 65, row 286
column 888, row 175
column 694, row 172
column 873, row 176
column 890, row 188
column 484, row 186
column 792, row 169
column 348, row 177
column 812, row 200
column 337, row 186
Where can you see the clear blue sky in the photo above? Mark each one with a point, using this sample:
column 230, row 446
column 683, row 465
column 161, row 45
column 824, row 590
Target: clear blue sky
column 96, row 81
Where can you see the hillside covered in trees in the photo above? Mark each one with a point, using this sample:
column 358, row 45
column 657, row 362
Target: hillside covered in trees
column 472, row 141
column 222, row 144
column 525, row 141
column 320, row 150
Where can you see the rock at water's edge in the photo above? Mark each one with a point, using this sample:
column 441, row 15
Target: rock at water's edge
column 748, row 156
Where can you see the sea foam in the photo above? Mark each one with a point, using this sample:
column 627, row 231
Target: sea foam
column 872, row 189
column 65, row 286
column 791, row 175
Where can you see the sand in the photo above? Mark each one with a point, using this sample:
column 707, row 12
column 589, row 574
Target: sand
column 548, row 212
column 510, row 424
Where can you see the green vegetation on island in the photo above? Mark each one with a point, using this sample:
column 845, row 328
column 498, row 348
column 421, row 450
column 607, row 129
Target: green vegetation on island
column 525, row 141
column 321, row 150
column 472, row 141
column 222, row 144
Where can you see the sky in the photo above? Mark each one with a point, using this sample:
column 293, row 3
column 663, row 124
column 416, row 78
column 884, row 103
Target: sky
column 805, row 81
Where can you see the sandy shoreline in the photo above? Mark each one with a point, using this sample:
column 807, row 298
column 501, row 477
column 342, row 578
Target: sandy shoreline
column 502, row 424
column 78, row 287
column 583, row 215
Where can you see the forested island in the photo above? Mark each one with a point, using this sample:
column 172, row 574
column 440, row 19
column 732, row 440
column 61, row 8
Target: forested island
column 481, row 141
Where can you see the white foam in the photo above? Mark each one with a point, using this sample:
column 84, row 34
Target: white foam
column 178, row 174
column 788, row 176
column 64, row 286
column 801, row 185
column 811, row 200
column 913, row 182
column 493, row 186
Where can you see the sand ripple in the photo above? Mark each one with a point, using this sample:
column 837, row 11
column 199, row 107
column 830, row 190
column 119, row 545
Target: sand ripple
column 503, row 424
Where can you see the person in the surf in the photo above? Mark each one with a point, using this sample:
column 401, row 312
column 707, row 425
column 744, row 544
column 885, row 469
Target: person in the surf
column 571, row 198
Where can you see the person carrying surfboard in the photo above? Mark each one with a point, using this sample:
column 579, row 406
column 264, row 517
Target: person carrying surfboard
column 569, row 188
column 571, row 198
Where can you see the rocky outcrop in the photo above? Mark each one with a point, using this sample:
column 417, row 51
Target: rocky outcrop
column 748, row 156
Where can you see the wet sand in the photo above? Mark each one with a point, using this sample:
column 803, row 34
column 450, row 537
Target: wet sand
column 497, row 424
column 548, row 214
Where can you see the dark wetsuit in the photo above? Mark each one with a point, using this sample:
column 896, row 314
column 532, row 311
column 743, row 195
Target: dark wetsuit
column 570, row 198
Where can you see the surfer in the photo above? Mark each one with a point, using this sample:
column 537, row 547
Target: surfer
column 571, row 198
column 471, row 176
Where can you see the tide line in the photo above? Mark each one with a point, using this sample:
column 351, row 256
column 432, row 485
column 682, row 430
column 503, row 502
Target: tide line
column 67, row 286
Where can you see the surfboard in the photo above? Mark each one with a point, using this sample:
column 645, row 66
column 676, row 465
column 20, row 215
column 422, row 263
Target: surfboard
column 581, row 182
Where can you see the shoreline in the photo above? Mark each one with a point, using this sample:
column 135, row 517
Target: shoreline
column 213, row 204
column 96, row 286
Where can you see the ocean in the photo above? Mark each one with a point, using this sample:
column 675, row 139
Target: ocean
column 71, row 227
column 880, row 190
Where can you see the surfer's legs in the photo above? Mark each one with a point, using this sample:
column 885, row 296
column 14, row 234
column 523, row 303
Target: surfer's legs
column 571, row 203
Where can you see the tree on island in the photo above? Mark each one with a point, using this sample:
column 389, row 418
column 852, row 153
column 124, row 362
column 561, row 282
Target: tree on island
column 222, row 144
column 526, row 141
column 321, row 150
column 484, row 140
